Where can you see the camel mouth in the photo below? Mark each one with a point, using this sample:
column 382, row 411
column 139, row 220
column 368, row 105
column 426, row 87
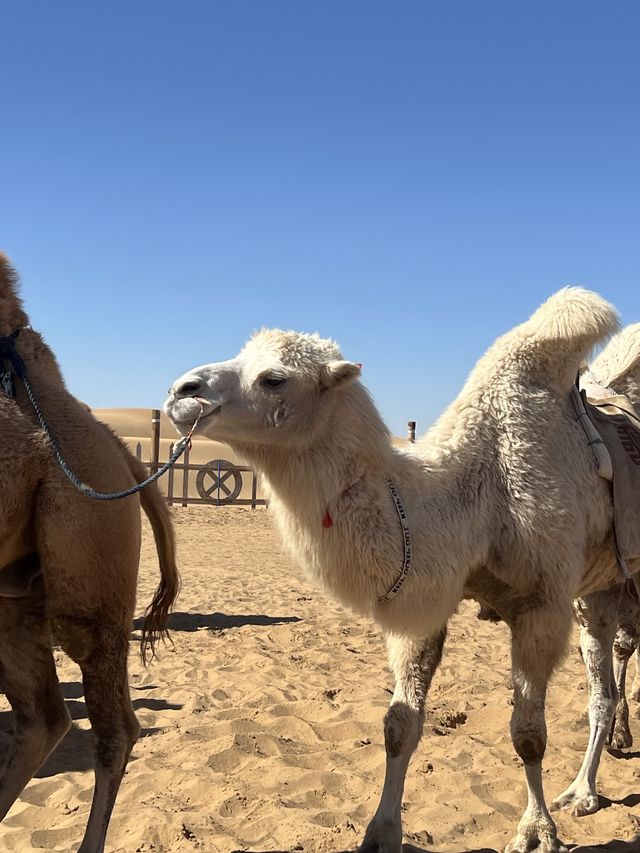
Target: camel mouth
column 183, row 424
column 214, row 411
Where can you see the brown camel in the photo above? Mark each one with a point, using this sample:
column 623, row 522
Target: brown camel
column 68, row 571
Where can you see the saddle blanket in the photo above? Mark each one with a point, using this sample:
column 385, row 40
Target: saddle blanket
column 618, row 425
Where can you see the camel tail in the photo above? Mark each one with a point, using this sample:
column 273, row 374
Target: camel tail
column 565, row 330
column 618, row 365
column 157, row 613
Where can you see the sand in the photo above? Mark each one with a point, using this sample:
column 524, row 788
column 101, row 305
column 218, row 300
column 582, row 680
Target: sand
column 262, row 724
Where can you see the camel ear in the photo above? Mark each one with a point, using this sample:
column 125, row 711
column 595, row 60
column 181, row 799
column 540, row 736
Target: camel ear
column 339, row 373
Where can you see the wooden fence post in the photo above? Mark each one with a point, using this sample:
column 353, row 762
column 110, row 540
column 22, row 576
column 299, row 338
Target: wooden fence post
column 254, row 489
column 411, row 431
column 155, row 440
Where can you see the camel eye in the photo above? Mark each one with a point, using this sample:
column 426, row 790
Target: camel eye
column 272, row 381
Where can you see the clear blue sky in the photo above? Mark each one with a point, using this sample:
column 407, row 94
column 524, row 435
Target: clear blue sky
column 410, row 178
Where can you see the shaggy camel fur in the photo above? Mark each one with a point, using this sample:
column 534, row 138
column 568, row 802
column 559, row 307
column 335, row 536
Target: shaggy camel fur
column 502, row 501
column 608, row 612
column 610, row 618
column 68, row 574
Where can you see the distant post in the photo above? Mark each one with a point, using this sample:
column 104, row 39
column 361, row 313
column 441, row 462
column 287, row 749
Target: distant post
column 155, row 440
column 411, row 431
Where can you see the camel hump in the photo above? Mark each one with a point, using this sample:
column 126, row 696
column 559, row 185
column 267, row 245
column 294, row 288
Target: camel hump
column 619, row 362
column 565, row 329
column 8, row 278
column 574, row 314
column 11, row 312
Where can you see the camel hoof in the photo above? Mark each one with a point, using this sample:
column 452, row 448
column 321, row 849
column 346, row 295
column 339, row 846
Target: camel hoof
column 382, row 836
column 536, row 843
column 378, row 846
column 621, row 739
column 577, row 803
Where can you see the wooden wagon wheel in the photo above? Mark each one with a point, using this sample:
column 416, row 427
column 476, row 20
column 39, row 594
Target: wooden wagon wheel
column 213, row 482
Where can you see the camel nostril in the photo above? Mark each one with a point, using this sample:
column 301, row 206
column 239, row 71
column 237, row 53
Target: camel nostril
column 188, row 389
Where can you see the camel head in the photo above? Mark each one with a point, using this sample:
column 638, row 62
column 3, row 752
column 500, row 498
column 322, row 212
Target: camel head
column 281, row 389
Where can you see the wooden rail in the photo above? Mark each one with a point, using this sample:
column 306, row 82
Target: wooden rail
column 217, row 483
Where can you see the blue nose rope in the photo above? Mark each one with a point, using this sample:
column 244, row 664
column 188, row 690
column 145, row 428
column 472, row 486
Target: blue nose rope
column 8, row 352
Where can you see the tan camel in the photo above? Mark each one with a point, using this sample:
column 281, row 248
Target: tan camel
column 501, row 502
column 68, row 570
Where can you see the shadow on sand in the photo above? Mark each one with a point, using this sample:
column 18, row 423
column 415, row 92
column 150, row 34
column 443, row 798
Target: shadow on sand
column 629, row 801
column 632, row 846
column 608, row 847
column 217, row 621
column 75, row 751
column 73, row 754
column 618, row 753
column 406, row 848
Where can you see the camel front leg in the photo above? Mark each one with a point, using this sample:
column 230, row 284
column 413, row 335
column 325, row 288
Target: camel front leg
column 538, row 640
column 598, row 617
column 413, row 663
column 101, row 650
column 28, row 677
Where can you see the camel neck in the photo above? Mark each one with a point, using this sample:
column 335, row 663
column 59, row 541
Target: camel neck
column 338, row 520
column 350, row 441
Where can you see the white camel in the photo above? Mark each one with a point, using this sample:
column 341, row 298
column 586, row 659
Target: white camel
column 500, row 501
column 609, row 618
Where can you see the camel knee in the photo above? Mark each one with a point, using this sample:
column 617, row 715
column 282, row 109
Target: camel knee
column 114, row 723
column 40, row 713
column 40, row 727
column 113, row 748
column 529, row 734
column 402, row 729
column 131, row 729
column 625, row 644
column 50, row 714
column 530, row 747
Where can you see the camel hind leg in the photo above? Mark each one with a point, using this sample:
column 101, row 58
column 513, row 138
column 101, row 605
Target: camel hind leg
column 625, row 643
column 597, row 614
column 28, row 677
column 101, row 652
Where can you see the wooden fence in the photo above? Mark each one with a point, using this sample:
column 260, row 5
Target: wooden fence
column 217, row 482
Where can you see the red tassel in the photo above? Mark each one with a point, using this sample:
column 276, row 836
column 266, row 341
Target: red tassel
column 327, row 521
